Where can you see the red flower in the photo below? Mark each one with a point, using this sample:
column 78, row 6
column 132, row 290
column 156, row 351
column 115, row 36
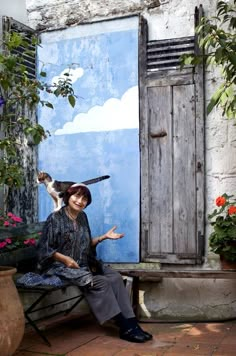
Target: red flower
column 232, row 210
column 220, row 201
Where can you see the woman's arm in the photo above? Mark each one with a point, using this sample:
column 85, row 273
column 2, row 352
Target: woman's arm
column 68, row 261
column 110, row 235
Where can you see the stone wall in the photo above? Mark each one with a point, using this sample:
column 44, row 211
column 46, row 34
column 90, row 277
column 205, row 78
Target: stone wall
column 51, row 14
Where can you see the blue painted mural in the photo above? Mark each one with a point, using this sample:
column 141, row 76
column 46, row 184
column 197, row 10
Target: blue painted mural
column 100, row 135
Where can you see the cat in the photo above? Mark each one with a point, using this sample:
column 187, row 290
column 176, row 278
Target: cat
column 56, row 188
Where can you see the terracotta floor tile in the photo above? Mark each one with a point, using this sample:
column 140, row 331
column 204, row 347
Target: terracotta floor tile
column 62, row 345
column 139, row 353
column 230, row 339
column 203, row 338
column 91, row 350
column 85, row 337
column 191, row 349
column 225, row 350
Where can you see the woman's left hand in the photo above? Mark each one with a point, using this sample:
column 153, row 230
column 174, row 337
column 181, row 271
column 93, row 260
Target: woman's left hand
column 111, row 234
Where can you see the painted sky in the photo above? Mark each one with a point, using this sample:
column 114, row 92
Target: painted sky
column 101, row 63
column 100, row 135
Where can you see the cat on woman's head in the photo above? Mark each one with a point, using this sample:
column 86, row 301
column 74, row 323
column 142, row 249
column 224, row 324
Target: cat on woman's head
column 56, row 188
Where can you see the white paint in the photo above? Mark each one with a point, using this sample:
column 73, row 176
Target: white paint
column 74, row 75
column 115, row 114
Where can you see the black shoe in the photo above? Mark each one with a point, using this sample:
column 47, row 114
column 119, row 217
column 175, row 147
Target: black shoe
column 147, row 335
column 133, row 335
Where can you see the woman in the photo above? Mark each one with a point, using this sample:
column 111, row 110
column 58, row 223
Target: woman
column 67, row 250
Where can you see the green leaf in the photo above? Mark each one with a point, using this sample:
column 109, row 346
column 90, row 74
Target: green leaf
column 43, row 74
column 215, row 99
column 49, row 105
column 72, row 100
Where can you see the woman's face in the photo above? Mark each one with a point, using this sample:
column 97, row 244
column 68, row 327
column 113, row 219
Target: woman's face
column 77, row 202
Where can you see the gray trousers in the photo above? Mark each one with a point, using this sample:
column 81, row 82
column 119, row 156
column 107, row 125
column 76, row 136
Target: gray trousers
column 108, row 296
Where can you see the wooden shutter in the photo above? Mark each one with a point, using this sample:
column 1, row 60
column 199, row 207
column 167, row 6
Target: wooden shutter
column 172, row 152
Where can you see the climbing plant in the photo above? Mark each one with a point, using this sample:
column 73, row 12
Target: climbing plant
column 20, row 94
column 217, row 42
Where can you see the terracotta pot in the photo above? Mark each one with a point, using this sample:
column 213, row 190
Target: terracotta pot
column 227, row 265
column 12, row 321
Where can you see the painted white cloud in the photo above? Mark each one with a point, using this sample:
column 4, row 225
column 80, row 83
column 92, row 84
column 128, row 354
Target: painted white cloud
column 115, row 114
column 74, row 74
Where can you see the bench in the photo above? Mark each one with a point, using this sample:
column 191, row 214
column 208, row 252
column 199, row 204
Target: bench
column 138, row 274
column 24, row 260
column 41, row 293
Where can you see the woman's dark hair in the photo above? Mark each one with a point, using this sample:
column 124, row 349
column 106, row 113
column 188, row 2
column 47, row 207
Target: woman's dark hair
column 81, row 190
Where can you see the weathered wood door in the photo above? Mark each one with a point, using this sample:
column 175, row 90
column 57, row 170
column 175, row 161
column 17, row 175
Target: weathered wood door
column 172, row 156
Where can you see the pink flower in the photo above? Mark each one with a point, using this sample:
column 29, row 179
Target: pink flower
column 16, row 218
column 6, row 223
column 30, row 242
column 8, row 240
column 10, row 215
column 2, row 244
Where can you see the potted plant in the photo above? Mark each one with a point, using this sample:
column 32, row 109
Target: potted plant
column 17, row 242
column 222, row 240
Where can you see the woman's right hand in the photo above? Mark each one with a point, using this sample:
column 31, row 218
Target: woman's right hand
column 67, row 260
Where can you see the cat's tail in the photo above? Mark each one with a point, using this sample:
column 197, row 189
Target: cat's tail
column 95, row 180
column 89, row 181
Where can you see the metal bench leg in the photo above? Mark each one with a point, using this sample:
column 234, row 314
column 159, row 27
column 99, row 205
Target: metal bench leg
column 74, row 305
column 31, row 310
column 32, row 323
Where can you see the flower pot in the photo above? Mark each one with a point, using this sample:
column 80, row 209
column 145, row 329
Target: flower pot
column 12, row 321
column 227, row 265
column 24, row 259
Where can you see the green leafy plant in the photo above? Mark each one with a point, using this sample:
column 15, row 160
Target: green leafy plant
column 222, row 240
column 19, row 98
column 8, row 221
column 217, row 42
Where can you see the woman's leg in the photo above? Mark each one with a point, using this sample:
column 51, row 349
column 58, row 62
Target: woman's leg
column 101, row 299
column 123, row 299
column 108, row 299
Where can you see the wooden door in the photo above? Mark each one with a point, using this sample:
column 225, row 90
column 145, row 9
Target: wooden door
column 172, row 160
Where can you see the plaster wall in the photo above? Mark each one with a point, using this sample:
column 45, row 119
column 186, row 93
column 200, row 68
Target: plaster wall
column 169, row 299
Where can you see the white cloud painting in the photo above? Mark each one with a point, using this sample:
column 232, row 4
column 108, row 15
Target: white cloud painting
column 115, row 114
column 74, row 75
